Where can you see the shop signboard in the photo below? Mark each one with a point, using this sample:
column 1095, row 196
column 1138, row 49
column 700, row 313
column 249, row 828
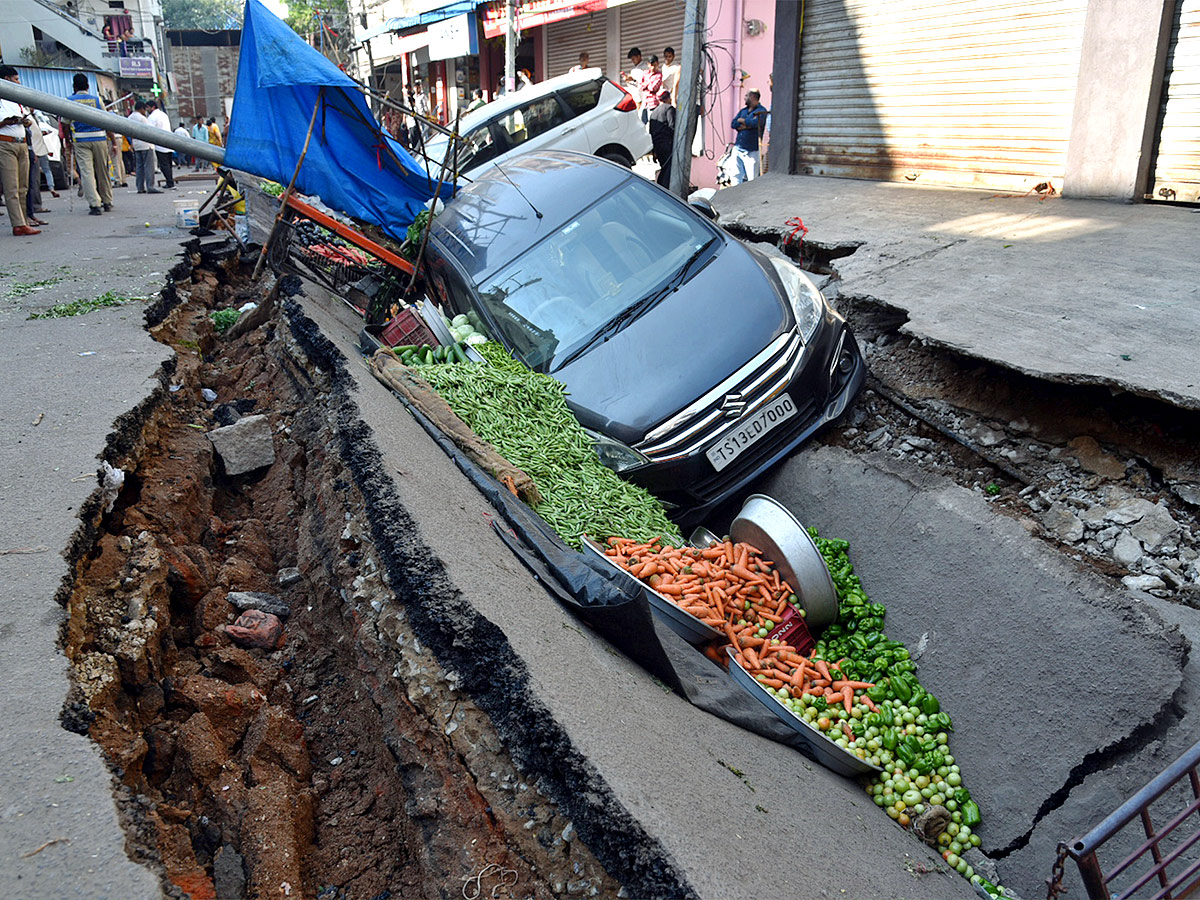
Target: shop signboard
column 532, row 13
column 136, row 67
column 452, row 38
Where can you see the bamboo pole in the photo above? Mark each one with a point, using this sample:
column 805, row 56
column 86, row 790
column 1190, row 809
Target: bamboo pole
column 262, row 257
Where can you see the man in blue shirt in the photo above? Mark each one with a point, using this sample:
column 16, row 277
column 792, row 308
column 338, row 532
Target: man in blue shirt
column 749, row 123
column 91, row 152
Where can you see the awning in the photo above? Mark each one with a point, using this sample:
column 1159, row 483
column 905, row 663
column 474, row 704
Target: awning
column 402, row 23
column 351, row 162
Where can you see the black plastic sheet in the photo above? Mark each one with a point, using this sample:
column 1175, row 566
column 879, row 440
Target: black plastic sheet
column 615, row 608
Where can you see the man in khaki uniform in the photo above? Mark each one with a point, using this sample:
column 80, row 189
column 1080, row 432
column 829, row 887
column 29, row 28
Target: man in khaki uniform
column 14, row 157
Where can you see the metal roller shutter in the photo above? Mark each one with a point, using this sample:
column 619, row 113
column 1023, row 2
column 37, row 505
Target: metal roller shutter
column 1177, row 161
column 973, row 93
column 567, row 39
column 651, row 26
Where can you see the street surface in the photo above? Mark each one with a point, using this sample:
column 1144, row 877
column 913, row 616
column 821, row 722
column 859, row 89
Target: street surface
column 1078, row 291
column 65, row 381
column 1016, row 639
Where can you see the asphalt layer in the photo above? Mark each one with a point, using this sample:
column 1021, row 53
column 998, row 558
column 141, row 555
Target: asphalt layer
column 1077, row 291
column 1057, row 679
column 65, row 382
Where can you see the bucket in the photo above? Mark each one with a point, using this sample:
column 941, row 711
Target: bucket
column 187, row 214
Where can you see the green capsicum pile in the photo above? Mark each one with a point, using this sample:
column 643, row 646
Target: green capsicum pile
column 909, row 738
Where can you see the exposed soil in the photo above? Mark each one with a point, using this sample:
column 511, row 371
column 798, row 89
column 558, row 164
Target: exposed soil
column 348, row 763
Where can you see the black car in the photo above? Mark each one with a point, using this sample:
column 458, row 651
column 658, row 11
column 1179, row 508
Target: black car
column 696, row 361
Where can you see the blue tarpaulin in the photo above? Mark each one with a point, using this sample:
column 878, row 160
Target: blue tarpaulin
column 351, row 162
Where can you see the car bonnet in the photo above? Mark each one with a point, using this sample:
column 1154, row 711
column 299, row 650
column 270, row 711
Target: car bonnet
column 688, row 343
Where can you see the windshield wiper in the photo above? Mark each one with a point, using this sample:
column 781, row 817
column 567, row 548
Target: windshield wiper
column 636, row 310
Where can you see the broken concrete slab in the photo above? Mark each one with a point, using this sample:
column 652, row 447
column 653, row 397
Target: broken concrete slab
column 1113, row 776
column 245, row 445
column 1002, row 615
column 1075, row 291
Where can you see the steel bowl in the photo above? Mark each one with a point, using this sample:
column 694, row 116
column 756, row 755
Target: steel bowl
column 702, row 538
column 767, row 524
column 823, row 750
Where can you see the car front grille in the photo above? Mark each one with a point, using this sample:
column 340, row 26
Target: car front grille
column 759, row 381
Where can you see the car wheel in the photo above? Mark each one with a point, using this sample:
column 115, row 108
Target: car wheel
column 615, row 154
column 60, row 179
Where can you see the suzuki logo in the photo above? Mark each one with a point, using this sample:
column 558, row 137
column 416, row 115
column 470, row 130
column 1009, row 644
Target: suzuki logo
column 733, row 406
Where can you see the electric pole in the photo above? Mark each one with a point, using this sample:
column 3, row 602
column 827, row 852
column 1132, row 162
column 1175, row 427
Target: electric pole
column 511, row 39
column 688, row 102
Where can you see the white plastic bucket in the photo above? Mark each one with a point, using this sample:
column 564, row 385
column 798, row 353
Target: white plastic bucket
column 187, row 213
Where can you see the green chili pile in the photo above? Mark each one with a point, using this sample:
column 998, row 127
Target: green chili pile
column 525, row 416
column 910, row 735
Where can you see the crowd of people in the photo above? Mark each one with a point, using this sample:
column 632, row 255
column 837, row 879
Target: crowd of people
column 100, row 160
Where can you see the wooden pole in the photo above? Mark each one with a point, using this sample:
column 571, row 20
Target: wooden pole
column 688, row 102
column 451, row 148
column 262, row 257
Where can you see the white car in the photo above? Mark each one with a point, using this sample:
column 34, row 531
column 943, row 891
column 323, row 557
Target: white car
column 581, row 111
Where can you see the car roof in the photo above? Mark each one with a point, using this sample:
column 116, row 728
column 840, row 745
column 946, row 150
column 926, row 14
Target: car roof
column 495, row 218
column 518, row 98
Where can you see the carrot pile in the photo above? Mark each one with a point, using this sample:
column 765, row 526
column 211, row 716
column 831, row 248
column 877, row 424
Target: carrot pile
column 732, row 588
column 727, row 586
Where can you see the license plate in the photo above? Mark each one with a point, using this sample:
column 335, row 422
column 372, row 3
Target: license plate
column 749, row 430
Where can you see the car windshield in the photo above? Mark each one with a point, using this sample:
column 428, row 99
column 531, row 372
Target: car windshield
column 578, row 282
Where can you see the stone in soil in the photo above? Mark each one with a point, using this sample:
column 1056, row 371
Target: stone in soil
column 255, row 628
column 1087, row 450
column 245, row 445
column 268, row 603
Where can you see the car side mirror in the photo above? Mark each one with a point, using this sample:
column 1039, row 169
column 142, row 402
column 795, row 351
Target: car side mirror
column 703, row 207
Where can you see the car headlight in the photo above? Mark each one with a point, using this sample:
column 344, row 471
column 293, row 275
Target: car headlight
column 807, row 302
column 615, row 455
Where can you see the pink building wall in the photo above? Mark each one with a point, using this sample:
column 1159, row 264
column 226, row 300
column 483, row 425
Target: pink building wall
column 743, row 62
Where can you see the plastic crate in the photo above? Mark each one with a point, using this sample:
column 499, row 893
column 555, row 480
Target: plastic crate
column 408, row 328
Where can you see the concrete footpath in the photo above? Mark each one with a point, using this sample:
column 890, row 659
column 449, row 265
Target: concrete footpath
column 65, row 380
column 1076, row 291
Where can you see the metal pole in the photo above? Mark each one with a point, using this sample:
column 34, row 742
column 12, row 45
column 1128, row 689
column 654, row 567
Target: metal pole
column 688, row 104
column 77, row 112
column 287, row 193
column 511, row 38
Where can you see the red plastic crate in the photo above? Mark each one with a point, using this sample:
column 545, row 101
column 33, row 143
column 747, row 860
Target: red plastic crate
column 408, row 328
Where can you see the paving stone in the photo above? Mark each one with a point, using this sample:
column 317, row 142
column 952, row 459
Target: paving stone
column 1062, row 523
column 1129, row 511
column 1142, row 582
column 1155, row 527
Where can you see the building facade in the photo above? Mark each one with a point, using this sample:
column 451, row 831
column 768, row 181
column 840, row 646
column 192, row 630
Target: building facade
column 1088, row 98
column 206, row 64
column 122, row 42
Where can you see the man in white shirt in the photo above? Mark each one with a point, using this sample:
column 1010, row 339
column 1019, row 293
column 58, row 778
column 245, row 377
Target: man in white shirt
column 143, row 152
column 670, row 72
column 159, row 119
column 634, row 77
column 181, row 131
column 14, row 157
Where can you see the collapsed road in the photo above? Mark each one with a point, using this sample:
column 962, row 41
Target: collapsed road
column 473, row 736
